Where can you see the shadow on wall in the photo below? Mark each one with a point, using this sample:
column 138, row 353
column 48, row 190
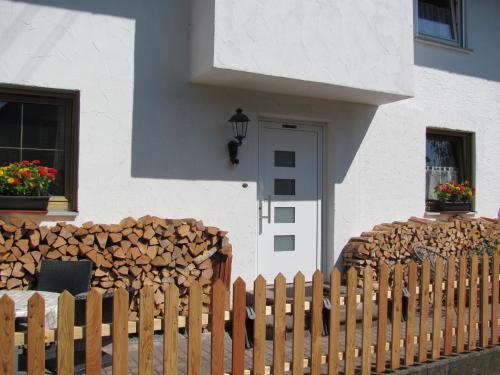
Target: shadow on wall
column 483, row 35
column 180, row 130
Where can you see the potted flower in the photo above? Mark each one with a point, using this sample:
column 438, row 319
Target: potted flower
column 454, row 197
column 25, row 186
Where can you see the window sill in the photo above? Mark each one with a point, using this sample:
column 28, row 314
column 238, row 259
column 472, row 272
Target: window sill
column 436, row 43
column 447, row 214
column 37, row 216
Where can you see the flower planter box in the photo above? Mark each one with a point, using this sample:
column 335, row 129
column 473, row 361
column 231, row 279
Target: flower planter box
column 454, row 206
column 23, row 203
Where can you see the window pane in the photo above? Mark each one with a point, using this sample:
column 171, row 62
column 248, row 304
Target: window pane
column 284, row 243
column 9, row 155
column 53, row 159
column 10, row 124
column 284, row 159
column 437, row 18
column 284, row 186
column 284, row 214
column 43, row 126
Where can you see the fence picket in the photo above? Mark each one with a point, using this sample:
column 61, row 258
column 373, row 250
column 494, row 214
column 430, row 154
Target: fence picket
column 239, row 312
column 146, row 317
column 316, row 322
column 93, row 331
column 120, row 332
column 259, row 333
column 279, row 325
column 397, row 299
column 36, row 335
column 383, row 281
column 450, row 304
column 462, row 288
column 298, row 324
column 334, row 328
column 437, row 309
column 350, row 330
column 65, row 334
column 484, row 301
column 410, row 320
column 7, row 327
column 194, row 325
column 494, row 299
column 367, row 321
column 171, row 329
column 473, row 304
column 217, row 337
column 424, row 311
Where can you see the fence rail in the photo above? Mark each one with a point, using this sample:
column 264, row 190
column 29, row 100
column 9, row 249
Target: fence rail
column 458, row 315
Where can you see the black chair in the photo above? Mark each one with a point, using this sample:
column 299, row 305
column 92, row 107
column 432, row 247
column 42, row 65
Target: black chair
column 57, row 276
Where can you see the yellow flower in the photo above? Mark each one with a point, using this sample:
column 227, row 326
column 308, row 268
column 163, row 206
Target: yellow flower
column 10, row 180
column 1, row 172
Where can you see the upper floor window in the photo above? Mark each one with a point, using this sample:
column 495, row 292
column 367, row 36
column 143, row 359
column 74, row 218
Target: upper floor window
column 441, row 20
column 42, row 125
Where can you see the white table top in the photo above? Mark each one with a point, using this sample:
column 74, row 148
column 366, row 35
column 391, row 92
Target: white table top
column 21, row 297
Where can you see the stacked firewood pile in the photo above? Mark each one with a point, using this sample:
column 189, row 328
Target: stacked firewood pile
column 394, row 242
column 134, row 253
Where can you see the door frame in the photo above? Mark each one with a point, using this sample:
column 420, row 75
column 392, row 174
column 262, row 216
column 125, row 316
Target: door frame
column 319, row 128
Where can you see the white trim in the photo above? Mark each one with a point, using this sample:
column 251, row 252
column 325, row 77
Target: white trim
column 305, row 125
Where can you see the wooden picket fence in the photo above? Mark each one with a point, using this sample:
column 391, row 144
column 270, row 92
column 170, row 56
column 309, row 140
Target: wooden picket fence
column 459, row 305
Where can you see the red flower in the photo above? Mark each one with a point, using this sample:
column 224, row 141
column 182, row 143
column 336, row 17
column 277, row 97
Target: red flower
column 17, row 181
column 26, row 173
column 42, row 171
column 52, row 176
column 36, row 161
column 52, row 170
column 26, row 162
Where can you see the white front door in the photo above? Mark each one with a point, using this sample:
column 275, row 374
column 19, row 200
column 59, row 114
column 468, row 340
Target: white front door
column 290, row 168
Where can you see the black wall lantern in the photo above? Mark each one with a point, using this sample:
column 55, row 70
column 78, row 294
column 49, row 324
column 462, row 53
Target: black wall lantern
column 239, row 122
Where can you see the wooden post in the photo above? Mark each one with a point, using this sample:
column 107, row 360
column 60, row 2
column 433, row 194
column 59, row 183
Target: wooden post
column 484, row 301
column 239, row 315
column 7, row 327
column 171, row 325
column 350, row 331
column 317, row 322
column 146, row 330
column 259, row 328
column 473, row 304
column 65, row 334
column 383, row 281
column 462, row 288
column 217, row 342
column 494, row 299
column 36, row 335
column 194, row 325
column 279, row 325
column 298, row 324
column 450, row 305
column 437, row 310
column 424, row 311
column 334, row 337
column 367, row 321
column 397, row 300
column 410, row 321
column 120, row 332
column 93, row 332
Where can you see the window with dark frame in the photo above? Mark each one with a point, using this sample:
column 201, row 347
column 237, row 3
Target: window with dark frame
column 448, row 158
column 441, row 20
column 42, row 125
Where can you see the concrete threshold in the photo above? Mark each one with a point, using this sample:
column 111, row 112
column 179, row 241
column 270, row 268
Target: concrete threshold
column 480, row 362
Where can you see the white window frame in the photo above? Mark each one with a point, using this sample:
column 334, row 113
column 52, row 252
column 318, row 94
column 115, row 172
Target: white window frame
column 460, row 26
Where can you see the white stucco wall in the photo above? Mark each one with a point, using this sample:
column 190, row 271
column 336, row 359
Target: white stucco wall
column 153, row 143
column 350, row 50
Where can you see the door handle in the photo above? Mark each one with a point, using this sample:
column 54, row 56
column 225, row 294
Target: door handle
column 268, row 217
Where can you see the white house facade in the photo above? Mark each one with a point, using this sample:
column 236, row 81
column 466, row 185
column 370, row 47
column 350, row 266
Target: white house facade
column 357, row 108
